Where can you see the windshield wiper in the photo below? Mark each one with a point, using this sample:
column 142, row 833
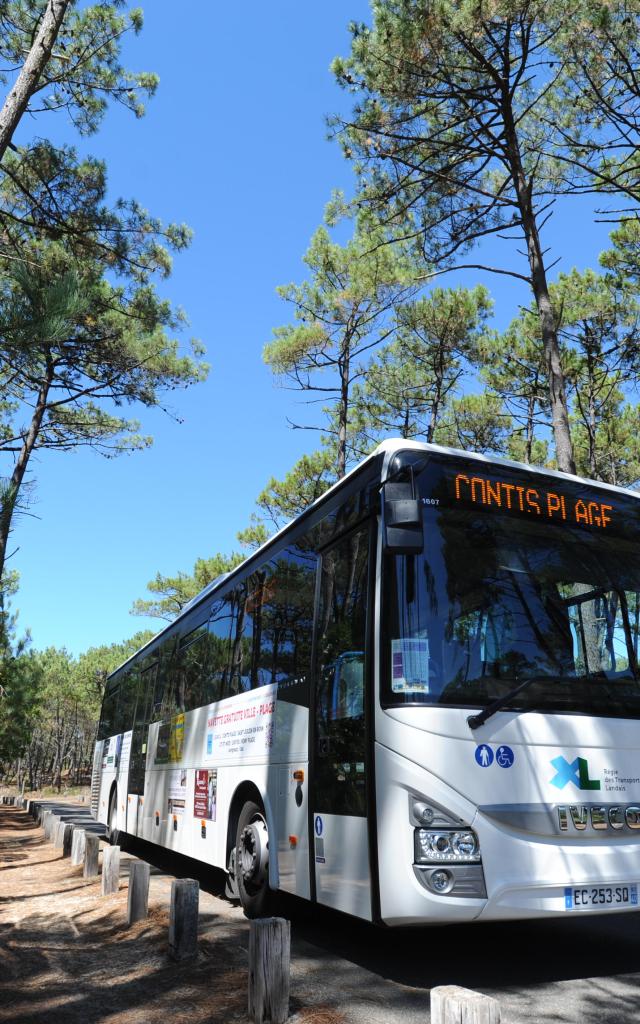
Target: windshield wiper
column 475, row 721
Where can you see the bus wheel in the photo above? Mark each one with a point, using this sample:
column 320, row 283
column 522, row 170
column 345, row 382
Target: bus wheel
column 252, row 860
column 113, row 834
column 231, row 885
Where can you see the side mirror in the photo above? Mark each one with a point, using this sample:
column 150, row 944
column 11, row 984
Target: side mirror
column 401, row 519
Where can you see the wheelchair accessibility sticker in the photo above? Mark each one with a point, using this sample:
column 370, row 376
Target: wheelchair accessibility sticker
column 504, row 756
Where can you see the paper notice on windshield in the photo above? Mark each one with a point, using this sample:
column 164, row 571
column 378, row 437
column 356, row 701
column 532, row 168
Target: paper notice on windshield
column 410, row 666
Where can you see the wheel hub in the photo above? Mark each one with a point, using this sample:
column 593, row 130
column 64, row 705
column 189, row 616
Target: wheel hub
column 254, row 852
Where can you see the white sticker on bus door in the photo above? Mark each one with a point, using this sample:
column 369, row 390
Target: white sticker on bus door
column 177, row 791
column 241, row 726
column 410, row 666
column 125, row 751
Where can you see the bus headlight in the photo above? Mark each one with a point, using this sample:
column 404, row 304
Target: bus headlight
column 441, row 846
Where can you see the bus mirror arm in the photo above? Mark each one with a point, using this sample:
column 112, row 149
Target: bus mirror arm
column 401, row 519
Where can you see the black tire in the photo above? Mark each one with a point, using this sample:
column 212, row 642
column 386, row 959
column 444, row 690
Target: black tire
column 113, row 833
column 231, row 885
column 252, row 862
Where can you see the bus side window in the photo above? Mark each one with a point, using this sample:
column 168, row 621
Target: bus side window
column 266, row 625
column 241, row 642
column 158, row 694
column 219, row 644
column 159, row 698
column 278, row 625
column 127, row 702
column 149, row 682
column 109, row 712
column 192, row 668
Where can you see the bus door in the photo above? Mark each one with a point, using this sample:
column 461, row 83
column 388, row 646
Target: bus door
column 139, row 741
column 339, row 774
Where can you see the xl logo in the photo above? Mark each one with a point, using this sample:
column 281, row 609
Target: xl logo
column 576, row 771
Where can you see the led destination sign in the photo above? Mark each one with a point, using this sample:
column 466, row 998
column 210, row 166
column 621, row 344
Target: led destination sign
column 558, row 505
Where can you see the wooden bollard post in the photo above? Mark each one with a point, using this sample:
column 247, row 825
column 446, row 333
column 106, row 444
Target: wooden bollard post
column 77, row 846
column 58, row 835
column 183, row 919
column 67, row 835
column 451, row 1004
column 138, row 897
column 91, row 852
column 269, row 959
column 110, row 870
column 47, row 824
column 54, row 821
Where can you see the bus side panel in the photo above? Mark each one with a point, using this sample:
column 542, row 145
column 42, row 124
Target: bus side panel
column 96, row 779
column 109, row 774
column 122, row 776
column 293, row 828
column 211, row 759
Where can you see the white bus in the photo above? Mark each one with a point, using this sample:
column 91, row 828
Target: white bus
column 417, row 703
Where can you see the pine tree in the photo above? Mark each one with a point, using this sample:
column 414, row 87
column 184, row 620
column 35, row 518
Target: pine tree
column 340, row 315
column 471, row 118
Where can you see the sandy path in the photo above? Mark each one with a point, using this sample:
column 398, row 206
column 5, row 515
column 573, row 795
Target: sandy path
column 67, row 956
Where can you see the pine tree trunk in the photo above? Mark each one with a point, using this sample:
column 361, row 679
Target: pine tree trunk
column 593, row 419
column 540, row 287
column 436, row 404
column 27, row 81
column 530, row 430
column 20, row 468
column 343, row 405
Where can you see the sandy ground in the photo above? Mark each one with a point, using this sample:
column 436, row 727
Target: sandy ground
column 67, row 956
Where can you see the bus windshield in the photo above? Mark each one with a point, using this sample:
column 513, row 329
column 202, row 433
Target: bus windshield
column 522, row 577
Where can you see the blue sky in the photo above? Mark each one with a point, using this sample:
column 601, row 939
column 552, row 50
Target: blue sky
column 234, row 143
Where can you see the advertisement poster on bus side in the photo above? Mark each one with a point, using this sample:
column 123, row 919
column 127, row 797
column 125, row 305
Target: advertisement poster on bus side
column 177, row 791
column 170, row 740
column 205, row 794
column 125, row 751
column 243, row 726
column 109, row 752
column 116, row 750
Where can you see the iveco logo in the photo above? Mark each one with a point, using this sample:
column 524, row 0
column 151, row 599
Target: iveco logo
column 598, row 817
